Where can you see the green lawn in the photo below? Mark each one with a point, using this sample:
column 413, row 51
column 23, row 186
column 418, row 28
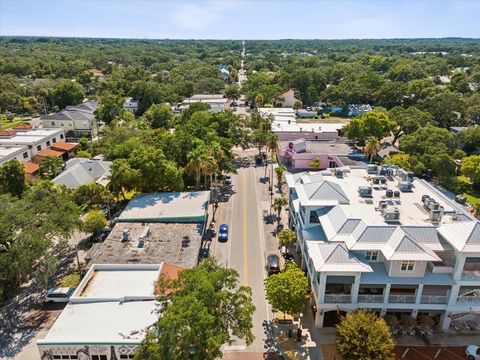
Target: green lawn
column 461, row 185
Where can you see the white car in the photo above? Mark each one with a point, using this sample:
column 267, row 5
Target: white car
column 59, row 295
column 473, row 352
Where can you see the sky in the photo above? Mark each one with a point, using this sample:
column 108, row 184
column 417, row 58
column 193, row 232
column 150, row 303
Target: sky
column 242, row 19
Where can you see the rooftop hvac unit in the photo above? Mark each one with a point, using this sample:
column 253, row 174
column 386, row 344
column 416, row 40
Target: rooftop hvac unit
column 389, row 193
column 433, row 205
column 339, row 173
column 436, row 215
column 125, row 235
column 405, row 186
column 365, row 191
column 376, row 180
column 383, row 180
column 396, row 194
column 372, row 169
column 382, row 205
column 391, row 214
column 144, row 234
column 425, row 198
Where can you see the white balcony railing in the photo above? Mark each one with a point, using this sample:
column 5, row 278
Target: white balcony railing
column 434, row 299
column 442, row 269
column 403, row 299
column 468, row 299
column 370, row 298
column 471, row 275
column 338, row 298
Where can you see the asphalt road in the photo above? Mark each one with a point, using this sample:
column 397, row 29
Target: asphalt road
column 246, row 247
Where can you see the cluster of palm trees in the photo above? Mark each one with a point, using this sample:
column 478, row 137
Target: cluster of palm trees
column 51, row 166
column 204, row 160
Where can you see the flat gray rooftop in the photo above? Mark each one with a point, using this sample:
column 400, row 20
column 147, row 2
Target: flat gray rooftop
column 176, row 243
column 330, row 147
column 173, row 207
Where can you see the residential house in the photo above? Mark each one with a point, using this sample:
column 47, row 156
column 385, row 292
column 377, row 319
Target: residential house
column 287, row 99
column 80, row 171
column 77, row 121
column 382, row 240
column 131, row 105
column 217, row 102
column 358, row 109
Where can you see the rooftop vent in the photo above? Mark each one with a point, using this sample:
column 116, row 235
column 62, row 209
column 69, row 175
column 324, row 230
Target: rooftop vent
column 391, row 214
column 365, row 191
column 389, row 193
column 405, row 186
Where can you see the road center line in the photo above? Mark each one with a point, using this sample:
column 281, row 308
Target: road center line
column 245, row 248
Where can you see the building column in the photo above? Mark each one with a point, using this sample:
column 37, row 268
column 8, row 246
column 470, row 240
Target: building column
column 459, row 265
column 319, row 318
column 321, row 288
column 355, row 289
column 418, row 294
column 383, row 312
column 414, row 313
column 453, row 294
column 386, row 293
column 445, row 321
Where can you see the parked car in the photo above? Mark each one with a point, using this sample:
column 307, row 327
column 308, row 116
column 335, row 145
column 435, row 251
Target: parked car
column 228, row 180
column 223, row 232
column 473, row 352
column 273, row 264
column 59, row 295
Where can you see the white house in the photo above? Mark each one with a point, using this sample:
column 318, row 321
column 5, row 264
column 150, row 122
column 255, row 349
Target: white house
column 387, row 242
column 287, row 99
column 131, row 105
column 34, row 140
column 77, row 121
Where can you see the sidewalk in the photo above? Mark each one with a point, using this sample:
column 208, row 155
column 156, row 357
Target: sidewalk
column 309, row 348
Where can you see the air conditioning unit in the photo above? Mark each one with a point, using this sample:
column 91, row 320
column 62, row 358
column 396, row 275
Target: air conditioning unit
column 436, row 215
column 389, row 193
column 405, row 186
column 365, row 191
column 339, row 173
column 125, row 235
column 391, row 214
column 372, row 169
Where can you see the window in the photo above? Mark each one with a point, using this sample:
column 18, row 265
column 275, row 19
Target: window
column 53, row 123
column 54, row 140
column 25, row 155
column 371, row 255
column 48, row 143
column 61, row 136
column 65, row 357
column 39, row 147
column 407, row 265
column 57, row 357
column 314, row 217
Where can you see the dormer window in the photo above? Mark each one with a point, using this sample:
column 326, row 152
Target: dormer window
column 371, row 255
column 407, row 266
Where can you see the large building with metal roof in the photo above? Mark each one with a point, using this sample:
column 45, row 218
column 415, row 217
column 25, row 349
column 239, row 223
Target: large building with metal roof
column 381, row 239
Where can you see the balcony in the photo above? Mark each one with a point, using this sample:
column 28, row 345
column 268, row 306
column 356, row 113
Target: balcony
column 370, row 298
column 434, row 299
column 471, row 275
column 338, row 298
column 468, row 300
column 401, row 299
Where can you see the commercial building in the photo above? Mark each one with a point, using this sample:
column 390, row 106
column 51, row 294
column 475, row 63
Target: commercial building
column 20, row 153
column 380, row 239
column 154, row 228
column 77, row 121
column 34, row 140
column 302, row 154
column 286, row 127
column 217, row 102
column 108, row 315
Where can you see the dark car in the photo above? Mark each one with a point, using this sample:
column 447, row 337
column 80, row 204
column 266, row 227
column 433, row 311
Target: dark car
column 223, row 232
column 228, row 180
column 273, row 264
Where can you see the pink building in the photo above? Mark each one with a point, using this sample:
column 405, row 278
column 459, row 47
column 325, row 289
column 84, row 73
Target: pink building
column 298, row 155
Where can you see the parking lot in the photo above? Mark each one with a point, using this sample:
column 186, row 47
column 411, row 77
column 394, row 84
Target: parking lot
column 429, row 352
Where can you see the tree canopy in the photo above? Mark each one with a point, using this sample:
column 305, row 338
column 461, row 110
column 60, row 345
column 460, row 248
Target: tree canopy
column 202, row 310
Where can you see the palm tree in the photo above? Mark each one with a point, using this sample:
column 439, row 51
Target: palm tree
column 209, row 167
column 278, row 205
column 372, row 147
column 316, row 163
column 272, row 144
column 280, row 170
column 196, row 159
column 286, row 237
column 51, row 166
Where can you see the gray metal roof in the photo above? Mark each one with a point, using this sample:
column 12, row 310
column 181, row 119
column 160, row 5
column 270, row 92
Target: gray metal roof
column 80, row 171
column 380, row 276
column 325, row 190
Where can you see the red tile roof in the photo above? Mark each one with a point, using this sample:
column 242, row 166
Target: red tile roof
column 50, row 152
column 168, row 272
column 23, row 126
column 7, row 133
column 30, row 167
column 64, row 146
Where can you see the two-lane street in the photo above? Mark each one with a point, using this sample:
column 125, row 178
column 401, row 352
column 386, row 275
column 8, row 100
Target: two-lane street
column 246, row 248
